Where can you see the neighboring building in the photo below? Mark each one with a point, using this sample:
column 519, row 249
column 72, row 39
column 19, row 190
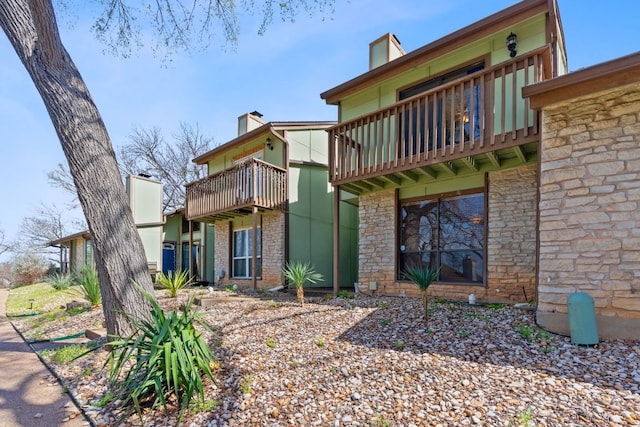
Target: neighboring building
column 176, row 239
column 589, row 210
column 76, row 251
column 145, row 200
column 268, row 199
column 442, row 151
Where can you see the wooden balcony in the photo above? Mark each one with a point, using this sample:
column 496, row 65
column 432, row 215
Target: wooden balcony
column 481, row 118
column 236, row 191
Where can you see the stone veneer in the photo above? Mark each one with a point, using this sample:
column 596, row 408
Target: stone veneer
column 511, row 248
column 589, row 210
column 272, row 251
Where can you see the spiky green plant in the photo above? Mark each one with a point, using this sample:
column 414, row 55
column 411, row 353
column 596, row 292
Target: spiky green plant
column 87, row 279
column 60, row 281
column 174, row 281
column 168, row 356
column 423, row 276
column 299, row 273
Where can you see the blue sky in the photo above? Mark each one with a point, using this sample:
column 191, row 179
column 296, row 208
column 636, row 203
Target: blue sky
column 280, row 74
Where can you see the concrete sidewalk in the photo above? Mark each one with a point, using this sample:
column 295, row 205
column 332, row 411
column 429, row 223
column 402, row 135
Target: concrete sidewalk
column 29, row 394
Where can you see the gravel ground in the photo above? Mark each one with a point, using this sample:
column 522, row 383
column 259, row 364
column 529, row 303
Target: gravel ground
column 374, row 362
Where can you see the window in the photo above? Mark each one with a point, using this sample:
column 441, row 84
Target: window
column 185, row 225
column 88, row 252
column 243, row 253
column 434, row 120
column 195, row 260
column 447, row 232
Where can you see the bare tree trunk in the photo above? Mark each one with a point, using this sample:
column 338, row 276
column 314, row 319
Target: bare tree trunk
column 31, row 28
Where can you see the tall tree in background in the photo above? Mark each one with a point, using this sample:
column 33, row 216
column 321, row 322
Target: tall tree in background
column 168, row 162
column 4, row 246
column 47, row 224
column 32, row 30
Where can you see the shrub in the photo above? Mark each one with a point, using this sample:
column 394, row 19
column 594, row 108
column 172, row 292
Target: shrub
column 299, row 273
column 87, row 279
column 168, row 357
column 174, row 281
column 60, row 282
column 28, row 268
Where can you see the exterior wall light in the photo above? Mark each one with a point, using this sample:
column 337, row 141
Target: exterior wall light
column 269, row 144
column 512, row 44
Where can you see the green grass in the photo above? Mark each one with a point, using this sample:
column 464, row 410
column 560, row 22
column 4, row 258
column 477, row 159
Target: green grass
column 197, row 406
column 40, row 295
column 104, row 401
column 64, row 355
column 344, row 294
column 246, row 386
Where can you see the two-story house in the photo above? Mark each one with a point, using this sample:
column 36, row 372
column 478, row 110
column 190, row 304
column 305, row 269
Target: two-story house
column 441, row 149
column 268, row 199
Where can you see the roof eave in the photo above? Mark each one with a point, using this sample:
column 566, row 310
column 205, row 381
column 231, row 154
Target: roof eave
column 600, row 77
column 505, row 17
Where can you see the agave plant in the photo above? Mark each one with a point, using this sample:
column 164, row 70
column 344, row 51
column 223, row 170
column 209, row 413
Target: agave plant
column 423, row 276
column 87, row 279
column 174, row 281
column 164, row 356
column 299, row 273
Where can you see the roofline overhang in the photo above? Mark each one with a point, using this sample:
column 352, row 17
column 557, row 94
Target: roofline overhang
column 271, row 128
column 505, row 18
column 600, row 77
column 84, row 234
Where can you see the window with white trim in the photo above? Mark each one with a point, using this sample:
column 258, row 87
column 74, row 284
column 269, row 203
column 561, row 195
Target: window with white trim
column 243, row 253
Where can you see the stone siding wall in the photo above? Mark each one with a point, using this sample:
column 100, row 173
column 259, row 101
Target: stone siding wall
column 589, row 210
column 221, row 230
column 272, row 251
column 511, row 242
column 376, row 240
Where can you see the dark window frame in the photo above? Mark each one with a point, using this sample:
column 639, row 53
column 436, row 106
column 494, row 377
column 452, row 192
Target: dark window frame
column 468, row 264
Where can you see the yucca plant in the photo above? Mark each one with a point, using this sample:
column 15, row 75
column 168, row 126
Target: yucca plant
column 59, row 281
column 299, row 273
column 423, row 276
column 165, row 355
column 174, row 281
column 87, row 279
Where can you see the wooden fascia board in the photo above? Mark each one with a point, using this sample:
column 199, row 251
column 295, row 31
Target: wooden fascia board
column 505, row 18
column 270, row 127
column 605, row 76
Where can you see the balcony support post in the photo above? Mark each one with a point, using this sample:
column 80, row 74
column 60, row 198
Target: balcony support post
column 336, row 240
column 254, row 249
column 191, row 275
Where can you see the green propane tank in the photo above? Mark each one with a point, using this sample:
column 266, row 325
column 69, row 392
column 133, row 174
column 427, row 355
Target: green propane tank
column 582, row 319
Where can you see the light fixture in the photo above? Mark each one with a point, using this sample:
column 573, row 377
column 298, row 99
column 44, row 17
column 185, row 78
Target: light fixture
column 269, row 144
column 512, row 44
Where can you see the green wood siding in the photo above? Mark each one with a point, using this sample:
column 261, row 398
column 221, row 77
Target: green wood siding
column 308, row 146
column 311, row 225
column 531, row 35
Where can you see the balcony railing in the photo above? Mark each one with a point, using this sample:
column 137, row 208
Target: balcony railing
column 476, row 114
column 237, row 190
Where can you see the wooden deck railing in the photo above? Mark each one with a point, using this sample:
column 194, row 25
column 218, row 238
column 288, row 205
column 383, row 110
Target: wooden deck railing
column 479, row 113
column 248, row 184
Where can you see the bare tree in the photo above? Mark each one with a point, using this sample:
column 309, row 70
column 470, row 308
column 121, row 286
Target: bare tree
column 32, row 30
column 4, row 246
column 60, row 177
column 170, row 163
column 49, row 223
